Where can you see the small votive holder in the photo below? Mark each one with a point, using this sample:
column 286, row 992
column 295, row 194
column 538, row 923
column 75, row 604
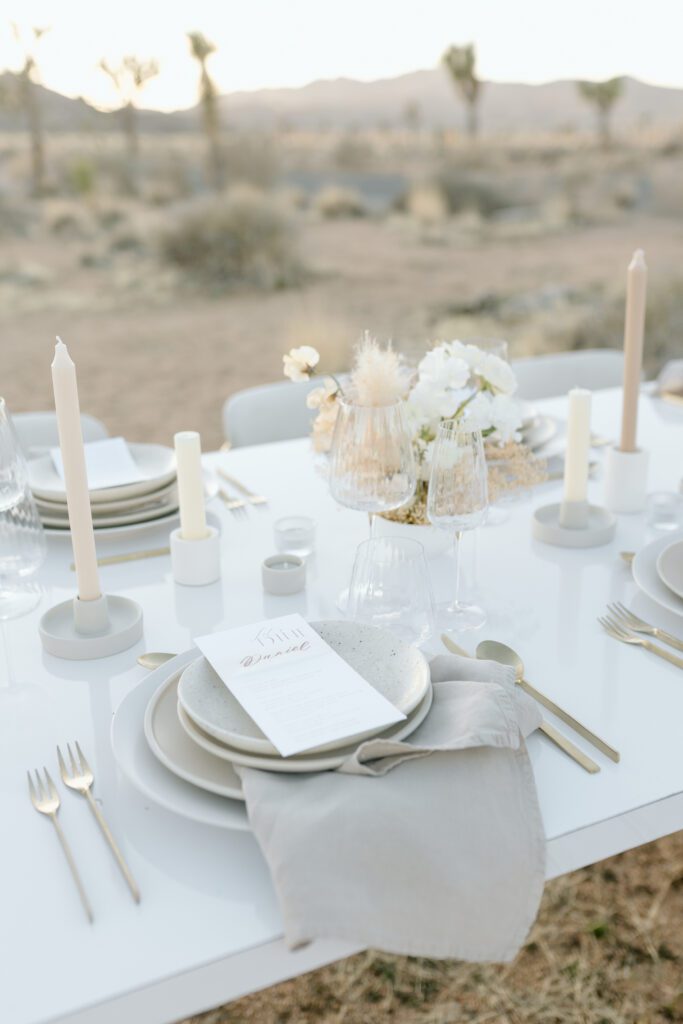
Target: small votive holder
column 625, row 480
column 196, row 563
column 664, row 510
column 295, row 534
column 283, row 574
column 573, row 524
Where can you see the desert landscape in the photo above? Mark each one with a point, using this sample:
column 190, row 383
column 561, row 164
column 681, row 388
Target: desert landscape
column 346, row 206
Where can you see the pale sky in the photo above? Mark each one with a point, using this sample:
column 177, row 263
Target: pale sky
column 265, row 43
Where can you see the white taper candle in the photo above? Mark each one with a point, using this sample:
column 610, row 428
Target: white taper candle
column 578, row 443
column 75, row 475
column 634, row 330
column 188, row 454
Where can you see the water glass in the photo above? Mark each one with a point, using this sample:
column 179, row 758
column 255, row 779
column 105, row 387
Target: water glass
column 390, row 587
column 457, row 500
column 664, row 510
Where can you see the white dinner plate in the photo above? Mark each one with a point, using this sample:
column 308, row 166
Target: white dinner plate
column 644, row 568
column 142, row 769
column 155, row 461
column 395, row 669
column 102, row 508
column 301, row 762
column 670, row 567
column 121, row 519
column 539, row 432
column 170, row 743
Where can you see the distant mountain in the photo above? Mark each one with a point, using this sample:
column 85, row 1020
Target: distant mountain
column 506, row 108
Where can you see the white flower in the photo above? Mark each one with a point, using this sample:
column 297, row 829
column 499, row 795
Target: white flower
column 506, row 417
column 498, row 373
column 432, row 402
column 444, row 368
column 316, row 398
column 478, row 414
column 299, row 363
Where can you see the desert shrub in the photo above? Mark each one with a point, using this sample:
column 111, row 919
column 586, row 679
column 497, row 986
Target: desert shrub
column 67, row 218
column 336, row 203
column 463, row 191
column 81, row 176
column 353, row 154
column 426, row 203
column 243, row 236
column 250, row 160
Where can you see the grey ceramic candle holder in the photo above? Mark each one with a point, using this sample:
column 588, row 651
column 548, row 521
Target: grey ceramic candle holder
column 80, row 630
column 573, row 524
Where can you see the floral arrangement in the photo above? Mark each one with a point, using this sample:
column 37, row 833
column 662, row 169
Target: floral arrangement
column 453, row 380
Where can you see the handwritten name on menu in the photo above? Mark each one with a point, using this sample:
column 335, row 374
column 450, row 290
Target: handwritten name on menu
column 296, row 688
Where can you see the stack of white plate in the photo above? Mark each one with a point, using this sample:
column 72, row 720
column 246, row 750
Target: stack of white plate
column 658, row 571
column 178, row 736
column 151, row 500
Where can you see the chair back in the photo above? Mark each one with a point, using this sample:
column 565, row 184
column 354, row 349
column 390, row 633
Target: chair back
column 37, row 431
column 554, row 374
column 269, row 412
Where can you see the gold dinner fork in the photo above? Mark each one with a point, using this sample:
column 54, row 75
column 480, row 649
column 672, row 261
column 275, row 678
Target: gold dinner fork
column 236, row 505
column 81, row 779
column 619, row 632
column 253, row 499
column 631, row 621
column 46, row 800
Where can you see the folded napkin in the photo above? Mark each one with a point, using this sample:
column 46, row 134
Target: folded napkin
column 428, row 846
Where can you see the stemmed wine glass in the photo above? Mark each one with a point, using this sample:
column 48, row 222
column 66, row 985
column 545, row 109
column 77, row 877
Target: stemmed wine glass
column 372, row 467
column 457, row 500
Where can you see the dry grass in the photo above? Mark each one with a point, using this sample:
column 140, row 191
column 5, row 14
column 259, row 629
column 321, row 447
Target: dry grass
column 607, row 948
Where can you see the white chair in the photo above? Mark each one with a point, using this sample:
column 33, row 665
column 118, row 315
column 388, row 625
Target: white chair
column 555, row 373
column 37, row 431
column 270, row 412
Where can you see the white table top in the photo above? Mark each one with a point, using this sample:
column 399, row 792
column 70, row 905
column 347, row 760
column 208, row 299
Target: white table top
column 208, row 926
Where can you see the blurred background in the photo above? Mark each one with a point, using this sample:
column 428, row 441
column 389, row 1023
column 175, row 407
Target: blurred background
column 186, row 192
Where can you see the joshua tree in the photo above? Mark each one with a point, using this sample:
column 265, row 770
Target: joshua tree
column 129, row 78
column 201, row 49
column 603, row 96
column 460, row 62
column 29, row 98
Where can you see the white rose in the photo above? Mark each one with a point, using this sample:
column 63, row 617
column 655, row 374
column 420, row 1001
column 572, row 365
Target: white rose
column 498, row 374
column 299, row 363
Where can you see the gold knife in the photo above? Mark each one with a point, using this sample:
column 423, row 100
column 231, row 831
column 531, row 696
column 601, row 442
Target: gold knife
column 130, row 556
column 549, row 730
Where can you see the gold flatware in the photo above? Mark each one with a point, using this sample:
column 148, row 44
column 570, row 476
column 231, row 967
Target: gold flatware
column 671, row 396
column 253, row 499
column 631, row 621
column 81, row 779
column 236, row 505
column 598, row 441
column 619, row 632
column 546, row 728
column 627, row 556
column 46, row 800
column 153, row 659
column 129, row 556
column 494, row 651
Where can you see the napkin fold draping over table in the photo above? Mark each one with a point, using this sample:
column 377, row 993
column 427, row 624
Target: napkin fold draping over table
column 428, row 846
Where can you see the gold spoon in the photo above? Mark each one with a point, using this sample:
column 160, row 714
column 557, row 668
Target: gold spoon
column 154, row 658
column 627, row 556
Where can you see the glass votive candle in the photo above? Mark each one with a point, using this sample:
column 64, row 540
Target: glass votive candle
column 663, row 510
column 295, row 534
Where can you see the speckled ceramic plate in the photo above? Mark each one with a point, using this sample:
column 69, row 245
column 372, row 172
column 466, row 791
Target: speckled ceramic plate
column 395, row 669
column 644, row 569
column 320, row 762
column 670, row 567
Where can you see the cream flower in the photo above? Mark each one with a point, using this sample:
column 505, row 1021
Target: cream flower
column 318, row 397
column 299, row 363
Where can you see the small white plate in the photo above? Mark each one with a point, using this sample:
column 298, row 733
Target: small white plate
column 646, row 576
column 395, row 669
column 539, row 432
column 670, row 567
column 155, row 461
column 170, row 743
column 149, row 776
column 301, row 762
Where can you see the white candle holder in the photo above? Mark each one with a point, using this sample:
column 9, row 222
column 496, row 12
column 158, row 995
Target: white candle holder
column 573, row 524
column 625, row 480
column 196, row 563
column 283, row 574
column 80, row 630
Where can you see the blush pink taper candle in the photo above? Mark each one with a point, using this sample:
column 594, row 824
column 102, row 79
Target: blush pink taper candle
column 634, row 330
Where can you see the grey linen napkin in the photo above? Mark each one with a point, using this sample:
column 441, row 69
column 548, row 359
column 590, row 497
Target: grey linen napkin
column 428, row 846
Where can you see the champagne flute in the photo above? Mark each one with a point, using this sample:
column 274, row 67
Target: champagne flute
column 457, row 500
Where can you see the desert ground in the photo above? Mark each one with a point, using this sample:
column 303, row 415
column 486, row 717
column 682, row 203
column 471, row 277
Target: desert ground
column 171, row 299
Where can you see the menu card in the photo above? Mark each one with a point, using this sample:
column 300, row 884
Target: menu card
column 299, row 691
column 108, row 463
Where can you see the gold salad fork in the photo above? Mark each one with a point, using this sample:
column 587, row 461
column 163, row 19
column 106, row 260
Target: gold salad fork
column 45, row 799
column 236, row 505
column 631, row 621
column 81, row 779
column 619, row 632
column 253, row 499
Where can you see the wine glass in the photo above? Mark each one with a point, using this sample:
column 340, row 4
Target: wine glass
column 457, row 500
column 372, row 466
column 22, row 540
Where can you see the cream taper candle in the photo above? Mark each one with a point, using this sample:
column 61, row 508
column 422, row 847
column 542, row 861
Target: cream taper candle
column 75, row 475
column 636, row 292
column 578, row 443
column 188, row 454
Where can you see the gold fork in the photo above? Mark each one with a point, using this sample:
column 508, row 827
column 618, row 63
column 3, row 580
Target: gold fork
column 236, row 505
column 618, row 632
column 81, row 779
column 46, row 800
column 631, row 621
column 253, row 499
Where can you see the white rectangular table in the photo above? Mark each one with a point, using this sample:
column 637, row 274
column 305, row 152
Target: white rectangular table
column 208, row 928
